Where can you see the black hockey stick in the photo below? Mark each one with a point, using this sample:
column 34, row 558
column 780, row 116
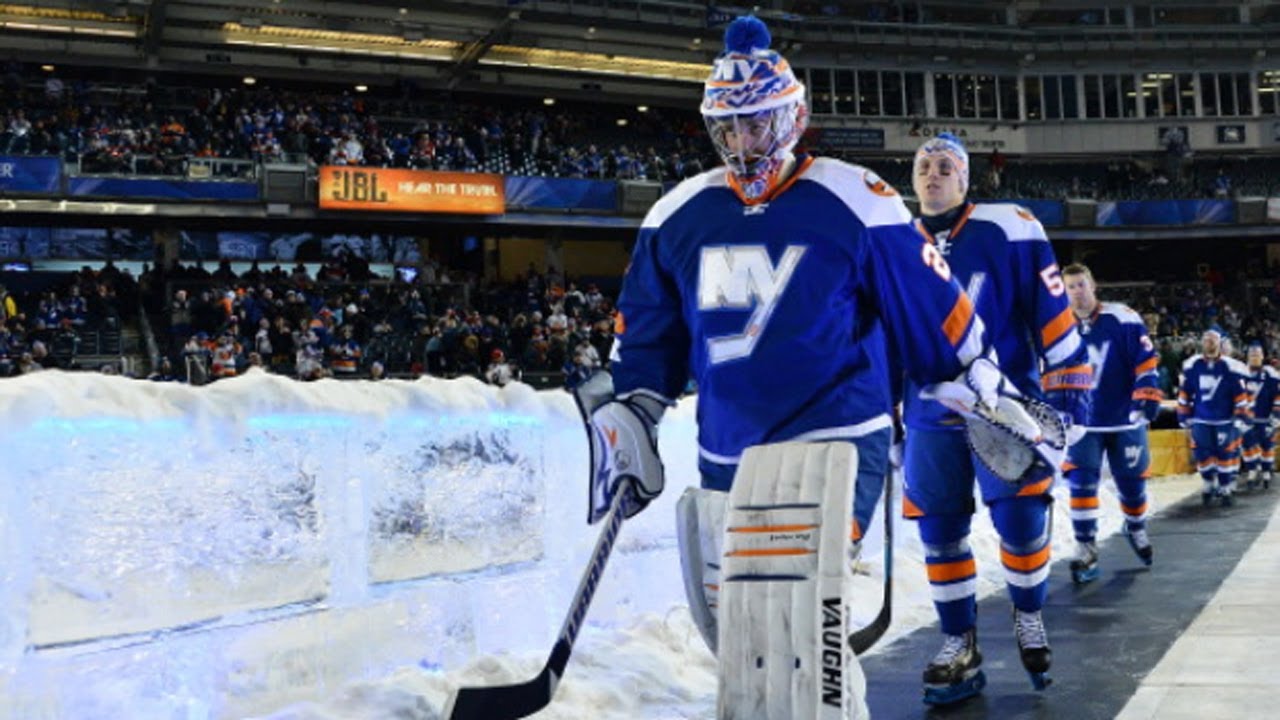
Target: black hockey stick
column 862, row 639
column 507, row 702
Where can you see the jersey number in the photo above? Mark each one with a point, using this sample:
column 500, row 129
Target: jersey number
column 933, row 258
column 739, row 278
column 1053, row 280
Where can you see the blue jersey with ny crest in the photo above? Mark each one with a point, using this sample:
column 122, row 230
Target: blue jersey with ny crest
column 999, row 253
column 781, row 312
column 1123, row 360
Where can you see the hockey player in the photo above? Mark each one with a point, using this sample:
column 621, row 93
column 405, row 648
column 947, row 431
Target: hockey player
column 1262, row 382
column 1212, row 399
column 1001, row 255
column 1125, row 398
column 776, row 283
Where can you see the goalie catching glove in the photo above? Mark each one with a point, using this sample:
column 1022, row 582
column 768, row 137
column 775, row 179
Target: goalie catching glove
column 1017, row 438
column 623, row 434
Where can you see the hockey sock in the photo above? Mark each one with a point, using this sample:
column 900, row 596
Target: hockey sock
column 953, row 574
column 1084, row 503
column 1133, row 500
column 1022, row 523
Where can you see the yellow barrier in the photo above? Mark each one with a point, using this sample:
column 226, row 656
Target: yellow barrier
column 1170, row 452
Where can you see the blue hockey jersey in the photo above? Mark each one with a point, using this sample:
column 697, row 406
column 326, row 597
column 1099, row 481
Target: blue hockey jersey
column 1001, row 256
column 1124, row 363
column 1263, row 386
column 1212, row 392
column 781, row 312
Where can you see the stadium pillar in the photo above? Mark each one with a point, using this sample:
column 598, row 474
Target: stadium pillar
column 168, row 247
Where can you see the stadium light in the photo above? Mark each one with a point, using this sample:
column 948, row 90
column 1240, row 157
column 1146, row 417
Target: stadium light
column 250, row 80
column 362, row 88
column 548, row 101
column 642, row 108
column 47, row 68
column 622, row 122
column 381, row 45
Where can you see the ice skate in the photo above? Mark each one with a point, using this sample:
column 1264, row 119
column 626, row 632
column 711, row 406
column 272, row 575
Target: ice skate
column 955, row 673
column 1141, row 544
column 1084, row 566
column 1207, row 493
column 1033, row 645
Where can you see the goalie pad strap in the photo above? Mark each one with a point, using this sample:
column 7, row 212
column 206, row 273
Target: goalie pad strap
column 784, row 587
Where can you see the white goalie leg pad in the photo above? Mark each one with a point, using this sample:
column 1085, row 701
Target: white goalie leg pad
column 784, row 587
column 700, row 516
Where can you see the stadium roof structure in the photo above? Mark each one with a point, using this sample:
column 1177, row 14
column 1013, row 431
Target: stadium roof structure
column 657, row 49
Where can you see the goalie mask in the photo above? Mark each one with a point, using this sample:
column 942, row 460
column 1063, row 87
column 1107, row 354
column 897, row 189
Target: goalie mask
column 754, row 109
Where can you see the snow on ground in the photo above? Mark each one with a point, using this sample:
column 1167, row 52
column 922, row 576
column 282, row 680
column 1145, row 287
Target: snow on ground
column 657, row 667
column 245, row 549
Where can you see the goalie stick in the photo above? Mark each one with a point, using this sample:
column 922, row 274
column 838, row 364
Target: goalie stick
column 862, row 639
column 507, row 702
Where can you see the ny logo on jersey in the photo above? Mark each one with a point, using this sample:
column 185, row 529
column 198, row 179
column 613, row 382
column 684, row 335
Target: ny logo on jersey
column 739, row 278
column 1132, row 454
column 943, row 241
column 1253, row 386
column 1098, row 360
column 1209, row 386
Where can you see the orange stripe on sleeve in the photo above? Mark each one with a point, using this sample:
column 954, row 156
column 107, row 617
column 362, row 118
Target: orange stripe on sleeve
column 1057, row 327
column 958, row 319
column 1146, row 366
column 1084, row 502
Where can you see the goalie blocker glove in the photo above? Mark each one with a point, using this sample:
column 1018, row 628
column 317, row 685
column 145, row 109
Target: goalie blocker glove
column 623, row 434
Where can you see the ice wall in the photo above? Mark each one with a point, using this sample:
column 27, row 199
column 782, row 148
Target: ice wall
column 178, row 552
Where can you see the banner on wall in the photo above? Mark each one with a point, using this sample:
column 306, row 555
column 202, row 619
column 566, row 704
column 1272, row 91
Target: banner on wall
column 30, row 174
column 1166, row 212
column 120, row 187
column 396, row 190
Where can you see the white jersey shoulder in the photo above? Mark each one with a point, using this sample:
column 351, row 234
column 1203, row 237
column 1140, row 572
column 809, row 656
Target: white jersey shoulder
column 871, row 199
column 1186, row 364
column 668, row 204
column 1271, row 372
column 1237, row 366
column 1122, row 312
column 1018, row 224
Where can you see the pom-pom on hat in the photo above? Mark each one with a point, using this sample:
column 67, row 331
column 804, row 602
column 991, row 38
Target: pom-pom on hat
column 748, row 77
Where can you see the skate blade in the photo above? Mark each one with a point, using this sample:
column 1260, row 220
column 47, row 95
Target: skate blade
column 963, row 690
column 1040, row 681
column 1145, row 555
column 1087, row 575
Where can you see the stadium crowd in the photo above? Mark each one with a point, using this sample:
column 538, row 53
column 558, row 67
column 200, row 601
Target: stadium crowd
column 155, row 128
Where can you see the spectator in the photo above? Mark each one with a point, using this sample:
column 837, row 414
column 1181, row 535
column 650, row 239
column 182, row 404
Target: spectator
column 500, row 372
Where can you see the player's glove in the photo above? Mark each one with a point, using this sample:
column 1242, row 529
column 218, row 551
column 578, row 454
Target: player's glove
column 624, row 445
